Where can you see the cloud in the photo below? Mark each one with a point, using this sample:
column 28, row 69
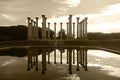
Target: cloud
column 8, row 17
column 105, row 21
column 69, row 3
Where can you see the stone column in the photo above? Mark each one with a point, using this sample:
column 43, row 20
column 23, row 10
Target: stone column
column 61, row 36
column 83, row 29
column 82, row 33
column 29, row 29
column 67, row 30
column 73, row 30
column 48, row 30
column 36, row 29
column 78, row 32
column 55, row 30
column 86, row 27
column 70, row 26
column 32, row 30
column 44, row 27
column 80, row 29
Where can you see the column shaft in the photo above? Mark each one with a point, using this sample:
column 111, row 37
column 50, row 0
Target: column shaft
column 36, row 29
column 73, row 30
column 29, row 29
column 44, row 27
column 55, row 30
column 48, row 30
column 67, row 30
column 70, row 26
column 32, row 30
column 61, row 36
column 78, row 27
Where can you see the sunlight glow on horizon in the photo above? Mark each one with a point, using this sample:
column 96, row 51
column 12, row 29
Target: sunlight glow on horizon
column 69, row 3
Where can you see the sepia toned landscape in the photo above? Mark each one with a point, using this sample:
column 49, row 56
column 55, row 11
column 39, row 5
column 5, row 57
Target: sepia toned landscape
column 59, row 40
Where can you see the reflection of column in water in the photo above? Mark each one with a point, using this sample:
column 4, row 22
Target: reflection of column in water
column 28, row 69
column 70, row 61
column 48, row 56
column 73, row 56
column 80, row 56
column 31, row 60
column 85, row 57
column 61, row 57
column 55, row 56
column 35, row 54
column 36, row 62
column 43, row 61
column 77, row 60
column 67, row 56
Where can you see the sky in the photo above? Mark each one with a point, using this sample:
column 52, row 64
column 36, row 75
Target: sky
column 103, row 15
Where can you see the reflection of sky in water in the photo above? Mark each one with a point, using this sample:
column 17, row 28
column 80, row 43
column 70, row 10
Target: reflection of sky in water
column 106, row 60
column 96, row 58
column 72, row 77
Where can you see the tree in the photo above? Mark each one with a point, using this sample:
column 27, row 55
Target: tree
column 62, row 35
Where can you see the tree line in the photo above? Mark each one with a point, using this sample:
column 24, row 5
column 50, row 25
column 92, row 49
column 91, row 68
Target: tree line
column 19, row 32
column 103, row 36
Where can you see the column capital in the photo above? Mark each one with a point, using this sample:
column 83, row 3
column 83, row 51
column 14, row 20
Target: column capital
column 61, row 23
column 37, row 18
column 86, row 18
column 70, row 15
column 54, row 22
column 74, row 23
column 28, row 18
column 77, row 18
column 83, row 21
column 43, row 16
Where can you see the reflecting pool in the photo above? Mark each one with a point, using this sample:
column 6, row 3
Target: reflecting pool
column 59, row 64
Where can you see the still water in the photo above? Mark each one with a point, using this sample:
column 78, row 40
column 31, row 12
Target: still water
column 101, row 65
